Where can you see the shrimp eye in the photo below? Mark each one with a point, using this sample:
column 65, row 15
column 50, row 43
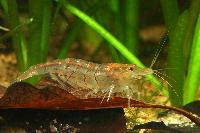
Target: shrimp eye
column 131, row 68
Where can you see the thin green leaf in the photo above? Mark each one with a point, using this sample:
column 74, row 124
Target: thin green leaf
column 39, row 31
column 131, row 25
column 104, row 33
column 193, row 77
column 193, row 15
column 68, row 39
column 19, row 43
column 175, row 59
column 171, row 12
column 111, row 39
column 4, row 4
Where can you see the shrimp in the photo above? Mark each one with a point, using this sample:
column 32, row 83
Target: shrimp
column 107, row 79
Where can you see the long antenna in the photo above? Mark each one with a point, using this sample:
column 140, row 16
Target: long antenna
column 162, row 42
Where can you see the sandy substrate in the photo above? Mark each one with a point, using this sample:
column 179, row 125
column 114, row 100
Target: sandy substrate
column 8, row 69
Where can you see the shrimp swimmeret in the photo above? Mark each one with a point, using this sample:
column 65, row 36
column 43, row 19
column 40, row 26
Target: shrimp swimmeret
column 108, row 78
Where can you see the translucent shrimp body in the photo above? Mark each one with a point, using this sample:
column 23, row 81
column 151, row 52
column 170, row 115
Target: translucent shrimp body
column 110, row 78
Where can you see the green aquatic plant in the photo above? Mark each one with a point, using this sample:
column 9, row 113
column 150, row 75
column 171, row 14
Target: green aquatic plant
column 183, row 42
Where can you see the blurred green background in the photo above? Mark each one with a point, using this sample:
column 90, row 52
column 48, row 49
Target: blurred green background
column 122, row 31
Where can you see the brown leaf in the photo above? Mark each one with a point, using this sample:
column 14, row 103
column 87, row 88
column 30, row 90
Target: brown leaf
column 48, row 95
column 24, row 95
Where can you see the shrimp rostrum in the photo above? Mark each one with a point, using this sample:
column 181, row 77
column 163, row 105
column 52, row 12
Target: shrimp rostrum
column 108, row 78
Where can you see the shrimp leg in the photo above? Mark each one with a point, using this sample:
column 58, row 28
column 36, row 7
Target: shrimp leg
column 56, row 78
column 108, row 92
